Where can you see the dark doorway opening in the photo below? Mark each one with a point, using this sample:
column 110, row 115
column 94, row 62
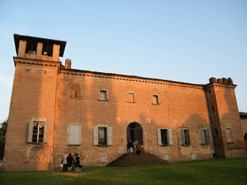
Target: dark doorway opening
column 134, row 132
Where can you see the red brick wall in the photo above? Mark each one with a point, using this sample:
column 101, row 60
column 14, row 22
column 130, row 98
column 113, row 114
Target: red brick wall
column 181, row 106
column 33, row 96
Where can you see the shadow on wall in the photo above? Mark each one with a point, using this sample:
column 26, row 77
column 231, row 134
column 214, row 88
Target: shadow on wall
column 87, row 102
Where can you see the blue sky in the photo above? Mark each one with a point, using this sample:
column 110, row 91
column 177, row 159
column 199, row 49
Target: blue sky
column 186, row 41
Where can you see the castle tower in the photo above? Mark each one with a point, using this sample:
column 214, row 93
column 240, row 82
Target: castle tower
column 29, row 139
column 225, row 120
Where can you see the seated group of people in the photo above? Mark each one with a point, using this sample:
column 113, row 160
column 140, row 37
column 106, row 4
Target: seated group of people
column 71, row 161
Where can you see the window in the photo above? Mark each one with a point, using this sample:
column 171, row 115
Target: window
column 47, row 49
column 74, row 135
column 31, row 47
column 103, row 96
column 130, row 97
column 165, row 137
column 155, row 99
column 102, row 135
column 205, row 136
column 38, row 131
column 185, row 136
column 229, row 136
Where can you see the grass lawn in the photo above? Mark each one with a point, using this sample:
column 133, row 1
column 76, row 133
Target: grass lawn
column 220, row 171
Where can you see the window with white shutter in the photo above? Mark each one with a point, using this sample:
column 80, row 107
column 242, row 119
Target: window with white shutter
column 103, row 136
column 205, row 136
column 38, row 131
column 185, row 137
column 165, row 137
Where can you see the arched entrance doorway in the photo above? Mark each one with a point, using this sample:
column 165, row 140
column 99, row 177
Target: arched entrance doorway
column 134, row 132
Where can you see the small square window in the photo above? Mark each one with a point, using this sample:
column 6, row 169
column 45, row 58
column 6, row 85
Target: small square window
column 103, row 95
column 155, row 99
column 130, row 97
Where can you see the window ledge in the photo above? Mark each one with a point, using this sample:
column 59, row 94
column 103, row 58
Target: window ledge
column 102, row 145
column 155, row 103
column 74, row 144
column 185, row 145
column 131, row 102
column 36, row 143
column 104, row 100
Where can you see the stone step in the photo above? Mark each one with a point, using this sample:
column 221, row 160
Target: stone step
column 137, row 160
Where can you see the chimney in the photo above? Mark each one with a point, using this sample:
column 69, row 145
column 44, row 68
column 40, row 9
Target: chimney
column 67, row 64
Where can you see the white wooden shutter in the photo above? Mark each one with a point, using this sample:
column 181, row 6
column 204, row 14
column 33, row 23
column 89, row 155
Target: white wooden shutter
column 30, row 131
column 95, row 136
column 71, row 135
column 188, row 137
column 46, row 131
column 170, row 137
column 77, row 135
column 159, row 137
column 74, row 135
column 203, row 140
column 109, row 136
column 182, row 136
column 208, row 136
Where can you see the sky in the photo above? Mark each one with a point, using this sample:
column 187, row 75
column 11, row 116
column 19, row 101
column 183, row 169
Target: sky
column 186, row 41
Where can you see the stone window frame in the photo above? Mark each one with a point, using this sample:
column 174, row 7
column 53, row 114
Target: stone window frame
column 106, row 95
column 205, row 136
column 130, row 92
column 40, row 121
column 109, row 138
column 185, row 136
column 76, row 139
column 169, row 135
column 229, row 140
column 157, row 99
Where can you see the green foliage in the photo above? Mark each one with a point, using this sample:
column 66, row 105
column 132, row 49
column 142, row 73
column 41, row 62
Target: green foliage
column 3, row 130
column 216, row 171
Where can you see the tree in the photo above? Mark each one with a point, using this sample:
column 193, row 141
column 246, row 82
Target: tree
column 3, row 130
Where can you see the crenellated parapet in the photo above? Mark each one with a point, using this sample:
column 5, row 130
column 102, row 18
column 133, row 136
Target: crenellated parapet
column 228, row 81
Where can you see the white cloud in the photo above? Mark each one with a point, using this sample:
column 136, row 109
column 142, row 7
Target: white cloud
column 6, row 81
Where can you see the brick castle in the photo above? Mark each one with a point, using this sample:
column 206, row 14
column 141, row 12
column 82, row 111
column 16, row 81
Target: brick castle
column 56, row 109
